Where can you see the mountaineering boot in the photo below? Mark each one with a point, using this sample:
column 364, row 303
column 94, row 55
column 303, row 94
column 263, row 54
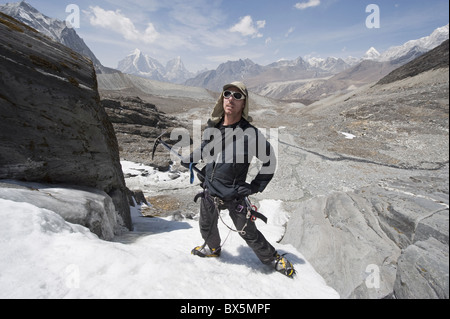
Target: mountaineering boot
column 205, row 252
column 284, row 266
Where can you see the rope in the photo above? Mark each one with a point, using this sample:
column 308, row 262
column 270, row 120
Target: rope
column 241, row 232
column 218, row 215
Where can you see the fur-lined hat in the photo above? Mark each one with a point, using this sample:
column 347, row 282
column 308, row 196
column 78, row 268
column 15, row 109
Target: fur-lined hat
column 218, row 112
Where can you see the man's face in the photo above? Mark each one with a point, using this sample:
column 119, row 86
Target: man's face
column 232, row 106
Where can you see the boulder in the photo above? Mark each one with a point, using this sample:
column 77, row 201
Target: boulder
column 422, row 271
column 84, row 206
column 53, row 126
column 341, row 237
column 384, row 240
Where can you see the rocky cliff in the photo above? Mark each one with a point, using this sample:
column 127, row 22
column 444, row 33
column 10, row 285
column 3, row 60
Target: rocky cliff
column 137, row 125
column 53, row 126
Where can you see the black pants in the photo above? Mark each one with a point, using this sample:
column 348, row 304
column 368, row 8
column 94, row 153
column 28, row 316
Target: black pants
column 209, row 217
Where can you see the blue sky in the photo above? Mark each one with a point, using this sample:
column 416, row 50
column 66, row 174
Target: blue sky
column 205, row 33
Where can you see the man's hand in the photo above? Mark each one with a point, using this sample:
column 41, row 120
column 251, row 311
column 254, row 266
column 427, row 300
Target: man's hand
column 247, row 190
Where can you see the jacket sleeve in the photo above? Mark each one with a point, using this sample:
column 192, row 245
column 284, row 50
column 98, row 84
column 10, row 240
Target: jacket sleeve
column 197, row 154
column 266, row 154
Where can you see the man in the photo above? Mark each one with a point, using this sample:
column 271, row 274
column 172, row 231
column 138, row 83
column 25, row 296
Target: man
column 233, row 143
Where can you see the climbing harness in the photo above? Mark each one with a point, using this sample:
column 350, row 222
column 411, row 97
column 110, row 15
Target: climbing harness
column 248, row 208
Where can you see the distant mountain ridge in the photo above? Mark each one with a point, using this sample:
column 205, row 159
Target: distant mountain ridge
column 309, row 78
column 372, row 54
column 138, row 63
column 259, row 77
column 435, row 59
column 255, row 75
column 54, row 29
column 415, row 48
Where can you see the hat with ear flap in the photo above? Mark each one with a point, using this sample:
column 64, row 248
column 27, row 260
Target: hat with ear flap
column 218, row 112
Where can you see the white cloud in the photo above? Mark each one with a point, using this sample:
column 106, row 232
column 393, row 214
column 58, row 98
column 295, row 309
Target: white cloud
column 119, row 23
column 260, row 24
column 246, row 27
column 306, row 5
column 291, row 29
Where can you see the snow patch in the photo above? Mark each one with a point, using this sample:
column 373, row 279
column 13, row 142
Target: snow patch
column 348, row 135
column 44, row 256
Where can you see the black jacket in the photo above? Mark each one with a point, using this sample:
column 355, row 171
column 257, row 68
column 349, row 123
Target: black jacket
column 228, row 152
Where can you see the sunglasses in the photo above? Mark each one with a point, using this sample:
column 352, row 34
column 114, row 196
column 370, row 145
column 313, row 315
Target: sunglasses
column 236, row 95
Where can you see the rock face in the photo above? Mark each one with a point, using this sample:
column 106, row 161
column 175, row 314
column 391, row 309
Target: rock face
column 53, row 127
column 396, row 231
column 53, row 28
column 423, row 271
column 137, row 125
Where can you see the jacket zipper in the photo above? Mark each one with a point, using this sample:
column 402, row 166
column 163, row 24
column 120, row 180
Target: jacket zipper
column 215, row 167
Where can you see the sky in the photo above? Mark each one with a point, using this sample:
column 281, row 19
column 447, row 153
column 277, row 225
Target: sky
column 206, row 33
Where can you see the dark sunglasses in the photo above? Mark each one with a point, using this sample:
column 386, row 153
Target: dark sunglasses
column 236, row 95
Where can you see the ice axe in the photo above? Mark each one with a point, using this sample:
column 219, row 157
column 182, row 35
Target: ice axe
column 192, row 167
column 251, row 208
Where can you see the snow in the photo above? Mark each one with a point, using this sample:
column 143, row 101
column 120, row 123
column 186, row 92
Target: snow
column 44, row 256
column 141, row 64
column 25, row 15
column 348, row 135
column 425, row 44
column 371, row 54
column 82, row 205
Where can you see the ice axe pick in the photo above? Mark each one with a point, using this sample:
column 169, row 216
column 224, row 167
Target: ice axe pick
column 159, row 141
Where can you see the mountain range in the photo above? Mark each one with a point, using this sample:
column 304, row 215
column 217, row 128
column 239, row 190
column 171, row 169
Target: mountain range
column 54, row 29
column 138, row 63
column 264, row 79
column 302, row 79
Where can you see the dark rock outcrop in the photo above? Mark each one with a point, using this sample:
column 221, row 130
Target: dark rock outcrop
column 53, row 126
column 137, row 124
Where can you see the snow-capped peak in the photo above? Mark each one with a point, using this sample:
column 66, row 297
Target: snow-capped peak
column 371, row 54
column 176, row 71
column 136, row 52
column 141, row 64
column 25, row 13
column 421, row 45
column 316, row 62
column 53, row 28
